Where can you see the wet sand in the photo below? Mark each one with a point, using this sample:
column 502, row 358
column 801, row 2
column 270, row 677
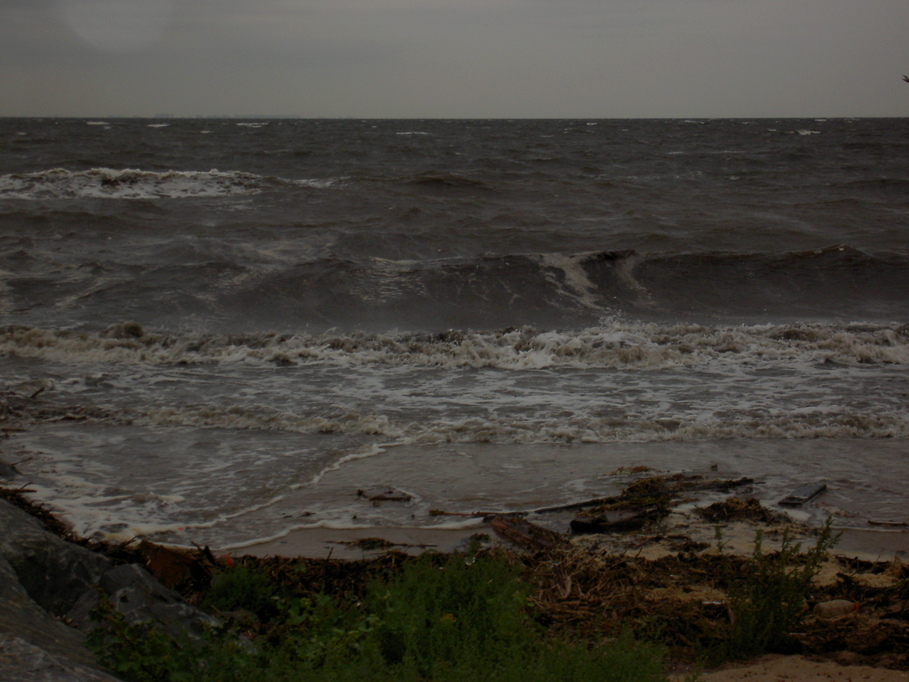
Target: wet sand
column 461, row 480
column 660, row 540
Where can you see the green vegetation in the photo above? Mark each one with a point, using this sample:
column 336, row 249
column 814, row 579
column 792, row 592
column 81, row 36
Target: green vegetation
column 464, row 617
column 241, row 589
column 568, row 615
column 771, row 600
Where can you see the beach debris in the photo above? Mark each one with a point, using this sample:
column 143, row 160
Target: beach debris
column 641, row 503
column 636, row 469
column 178, row 569
column 802, row 495
column 8, row 471
column 835, row 608
column 616, row 520
column 374, row 544
column 894, row 524
column 370, row 543
column 644, row 501
column 525, row 534
column 15, row 402
column 384, row 494
column 738, row 509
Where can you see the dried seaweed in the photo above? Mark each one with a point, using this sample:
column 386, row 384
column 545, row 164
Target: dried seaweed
column 645, row 502
column 739, row 509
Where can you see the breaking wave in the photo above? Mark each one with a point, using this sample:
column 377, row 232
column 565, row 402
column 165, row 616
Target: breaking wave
column 614, row 345
column 823, row 424
column 129, row 183
column 829, row 422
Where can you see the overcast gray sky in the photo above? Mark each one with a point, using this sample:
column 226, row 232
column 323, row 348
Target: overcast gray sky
column 455, row 58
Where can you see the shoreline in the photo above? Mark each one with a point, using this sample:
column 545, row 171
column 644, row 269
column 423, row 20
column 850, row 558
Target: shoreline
column 659, row 562
column 424, row 486
column 359, row 543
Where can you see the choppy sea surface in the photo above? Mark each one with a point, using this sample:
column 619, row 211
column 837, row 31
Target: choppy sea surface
column 217, row 331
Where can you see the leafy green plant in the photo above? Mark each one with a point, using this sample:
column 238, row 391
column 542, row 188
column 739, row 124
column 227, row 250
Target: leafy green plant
column 240, row 588
column 129, row 650
column 468, row 618
column 316, row 631
column 436, row 617
column 770, row 601
column 140, row 652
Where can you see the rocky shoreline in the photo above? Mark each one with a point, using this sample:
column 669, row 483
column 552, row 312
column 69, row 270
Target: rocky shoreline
column 49, row 586
column 50, row 582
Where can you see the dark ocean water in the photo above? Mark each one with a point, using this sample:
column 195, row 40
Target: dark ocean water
column 224, row 319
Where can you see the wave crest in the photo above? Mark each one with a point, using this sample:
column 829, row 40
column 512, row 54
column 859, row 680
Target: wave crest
column 130, row 183
column 614, row 345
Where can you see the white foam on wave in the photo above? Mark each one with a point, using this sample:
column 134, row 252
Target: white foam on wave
column 590, row 410
column 108, row 183
column 263, row 418
column 318, row 183
column 542, row 428
column 130, row 183
column 615, row 345
column 575, row 282
column 94, row 515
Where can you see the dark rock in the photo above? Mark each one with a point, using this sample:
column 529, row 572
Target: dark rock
column 54, row 573
column 133, row 592
column 22, row 661
column 42, row 576
column 21, row 618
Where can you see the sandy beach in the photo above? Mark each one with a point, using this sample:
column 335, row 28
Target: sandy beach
column 361, row 543
column 872, row 559
column 844, row 666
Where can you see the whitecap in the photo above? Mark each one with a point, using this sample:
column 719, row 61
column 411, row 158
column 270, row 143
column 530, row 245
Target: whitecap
column 129, row 183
